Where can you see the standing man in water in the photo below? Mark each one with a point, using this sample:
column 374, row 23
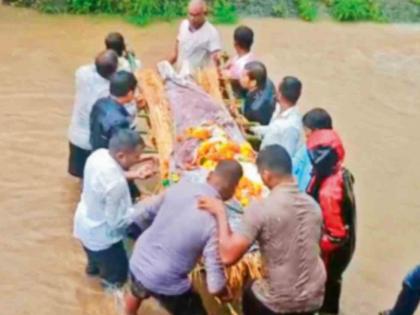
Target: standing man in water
column 198, row 42
column 179, row 234
column 110, row 114
column 127, row 61
column 105, row 207
column 287, row 227
column 285, row 127
column 331, row 186
column 92, row 83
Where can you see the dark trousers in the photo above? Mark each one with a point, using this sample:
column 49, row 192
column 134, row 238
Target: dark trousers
column 110, row 264
column 336, row 263
column 134, row 190
column 252, row 306
column 409, row 297
column 77, row 160
column 189, row 303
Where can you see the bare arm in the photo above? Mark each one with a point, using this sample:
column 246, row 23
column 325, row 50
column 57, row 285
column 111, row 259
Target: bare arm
column 232, row 246
column 215, row 57
column 174, row 57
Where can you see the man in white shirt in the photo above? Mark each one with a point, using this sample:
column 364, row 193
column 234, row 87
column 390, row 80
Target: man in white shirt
column 105, row 209
column 285, row 127
column 198, row 42
column 92, row 83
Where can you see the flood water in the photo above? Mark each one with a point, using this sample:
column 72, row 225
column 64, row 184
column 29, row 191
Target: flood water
column 366, row 75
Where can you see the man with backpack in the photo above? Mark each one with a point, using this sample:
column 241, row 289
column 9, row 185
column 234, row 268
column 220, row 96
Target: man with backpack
column 332, row 186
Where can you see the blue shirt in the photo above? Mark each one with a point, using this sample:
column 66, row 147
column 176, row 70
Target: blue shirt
column 302, row 168
column 107, row 116
column 260, row 105
column 178, row 236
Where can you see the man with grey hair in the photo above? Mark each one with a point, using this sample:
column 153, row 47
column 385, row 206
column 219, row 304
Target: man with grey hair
column 105, row 207
column 198, row 42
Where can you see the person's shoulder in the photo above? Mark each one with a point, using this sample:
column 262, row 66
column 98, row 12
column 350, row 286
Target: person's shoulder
column 85, row 70
column 184, row 25
column 258, row 206
column 97, row 157
column 101, row 103
column 210, row 27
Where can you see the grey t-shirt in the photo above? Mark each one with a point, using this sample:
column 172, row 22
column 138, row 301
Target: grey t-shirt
column 287, row 226
column 178, row 236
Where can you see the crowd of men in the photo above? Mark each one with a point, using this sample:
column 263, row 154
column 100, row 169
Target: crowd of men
column 305, row 228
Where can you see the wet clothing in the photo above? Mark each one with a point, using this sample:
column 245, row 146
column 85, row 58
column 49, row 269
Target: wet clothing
column 409, row 297
column 252, row 306
column 179, row 234
column 107, row 117
column 287, row 227
column 332, row 186
column 110, row 264
column 77, row 160
column 285, row 129
column 188, row 303
column 259, row 105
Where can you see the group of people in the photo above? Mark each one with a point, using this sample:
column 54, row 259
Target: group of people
column 305, row 228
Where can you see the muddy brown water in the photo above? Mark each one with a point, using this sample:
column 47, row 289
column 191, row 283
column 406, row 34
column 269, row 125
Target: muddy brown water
column 366, row 75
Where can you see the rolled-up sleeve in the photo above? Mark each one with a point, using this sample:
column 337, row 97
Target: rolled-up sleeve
column 216, row 279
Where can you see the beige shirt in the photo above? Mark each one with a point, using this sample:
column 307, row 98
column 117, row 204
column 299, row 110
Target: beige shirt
column 287, row 226
column 196, row 46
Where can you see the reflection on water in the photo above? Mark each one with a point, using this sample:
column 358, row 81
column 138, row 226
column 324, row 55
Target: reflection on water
column 365, row 75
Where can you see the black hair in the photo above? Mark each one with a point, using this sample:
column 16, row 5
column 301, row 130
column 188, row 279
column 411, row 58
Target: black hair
column 231, row 170
column 125, row 140
column 122, row 82
column 291, row 89
column 317, row 118
column 244, row 37
column 115, row 41
column 276, row 159
column 106, row 63
column 257, row 71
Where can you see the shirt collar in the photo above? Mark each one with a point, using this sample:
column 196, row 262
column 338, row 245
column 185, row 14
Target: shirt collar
column 289, row 112
column 291, row 187
column 194, row 30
